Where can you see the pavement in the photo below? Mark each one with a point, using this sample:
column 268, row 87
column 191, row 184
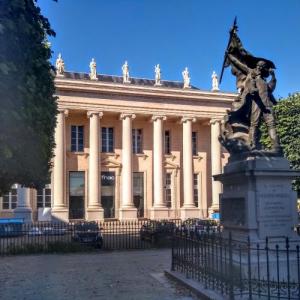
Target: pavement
column 128, row 275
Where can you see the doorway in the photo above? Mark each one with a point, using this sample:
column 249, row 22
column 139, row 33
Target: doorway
column 138, row 193
column 76, row 195
column 108, row 193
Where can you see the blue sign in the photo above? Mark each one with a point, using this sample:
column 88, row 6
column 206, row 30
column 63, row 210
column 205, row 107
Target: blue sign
column 216, row 216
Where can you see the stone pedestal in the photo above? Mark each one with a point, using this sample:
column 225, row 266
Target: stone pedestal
column 60, row 214
column 258, row 203
column 186, row 212
column 159, row 213
column 23, row 213
column 23, row 209
column 95, row 214
column 257, row 199
column 129, row 213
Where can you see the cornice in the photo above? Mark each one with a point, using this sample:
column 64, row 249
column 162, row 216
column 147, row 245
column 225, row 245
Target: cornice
column 96, row 87
column 142, row 111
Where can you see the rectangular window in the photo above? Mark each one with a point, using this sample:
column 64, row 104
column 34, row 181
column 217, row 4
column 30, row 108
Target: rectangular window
column 137, row 139
column 107, row 139
column 76, row 138
column 9, row 201
column 44, row 197
column 194, row 142
column 168, row 193
column 196, row 190
column 167, row 142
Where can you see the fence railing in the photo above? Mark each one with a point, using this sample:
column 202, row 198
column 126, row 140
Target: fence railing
column 81, row 236
column 238, row 270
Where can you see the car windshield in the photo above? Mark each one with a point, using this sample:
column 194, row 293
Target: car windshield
column 86, row 226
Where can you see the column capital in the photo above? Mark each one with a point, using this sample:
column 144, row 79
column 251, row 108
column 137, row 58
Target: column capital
column 158, row 117
column 123, row 116
column 214, row 121
column 64, row 111
column 90, row 113
column 188, row 118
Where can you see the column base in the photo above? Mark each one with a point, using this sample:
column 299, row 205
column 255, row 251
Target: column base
column 24, row 213
column 159, row 213
column 189, row 212
column 95, row 214
column 129, row 213
column 60, row 214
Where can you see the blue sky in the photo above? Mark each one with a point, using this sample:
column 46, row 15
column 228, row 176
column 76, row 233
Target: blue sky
column 175, row 34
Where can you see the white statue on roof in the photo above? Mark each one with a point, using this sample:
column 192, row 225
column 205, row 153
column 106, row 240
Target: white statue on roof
column 125, row 69
column 93, row 70
column 186, row 78
column 215, row 82
column 157, row 75
column 60, row 66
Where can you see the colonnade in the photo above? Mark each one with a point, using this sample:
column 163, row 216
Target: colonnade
column 127, row 208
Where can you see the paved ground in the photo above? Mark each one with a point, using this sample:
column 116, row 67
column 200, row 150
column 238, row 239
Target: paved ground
column 130, row 275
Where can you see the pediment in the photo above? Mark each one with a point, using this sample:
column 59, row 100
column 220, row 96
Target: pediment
column 170, row 165
column 111, row 163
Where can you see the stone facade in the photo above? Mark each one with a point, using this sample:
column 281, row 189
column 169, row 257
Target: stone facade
column 186, row 114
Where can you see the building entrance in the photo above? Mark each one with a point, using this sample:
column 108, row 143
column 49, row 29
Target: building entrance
column 108, row 194
column 138, row 193
column 76, row 198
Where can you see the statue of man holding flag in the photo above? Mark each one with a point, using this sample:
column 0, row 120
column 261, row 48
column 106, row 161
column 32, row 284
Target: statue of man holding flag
column 254, row 102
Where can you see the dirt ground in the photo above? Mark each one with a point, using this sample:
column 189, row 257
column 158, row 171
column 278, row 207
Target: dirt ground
column 132, row 275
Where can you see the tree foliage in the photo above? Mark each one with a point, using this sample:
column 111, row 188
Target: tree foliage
column 28, row 108
column 288, row 127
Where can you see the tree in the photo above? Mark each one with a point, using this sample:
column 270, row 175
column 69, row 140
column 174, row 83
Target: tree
column 287, row 113
column 28, row 108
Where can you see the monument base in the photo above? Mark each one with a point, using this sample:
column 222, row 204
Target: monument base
column 159, row 213
column 23, row 213
column 257, row 199
column 189, row 212
column 129, row 213
column 60, row 214
column 95, row 214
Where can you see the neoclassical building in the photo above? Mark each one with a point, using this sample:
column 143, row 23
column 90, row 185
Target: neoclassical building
column 129, row 148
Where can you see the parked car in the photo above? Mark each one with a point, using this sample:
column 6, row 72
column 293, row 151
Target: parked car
column 33, row 231
column 88, row 233
column 156, row 231
column 198, row 227
column 11, row 227
column 53, row 230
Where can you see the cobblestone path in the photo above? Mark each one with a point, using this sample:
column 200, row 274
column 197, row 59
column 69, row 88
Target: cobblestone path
column 132, row 275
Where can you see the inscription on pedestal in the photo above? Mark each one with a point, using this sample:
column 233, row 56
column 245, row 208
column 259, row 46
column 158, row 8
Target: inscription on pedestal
column 274, row 209
column 233, row 211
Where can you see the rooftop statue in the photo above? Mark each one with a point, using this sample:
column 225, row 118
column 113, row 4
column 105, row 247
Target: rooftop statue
column 93, row 70
column 186, row 78
column 253, row 104
column 125, row 69
column 60, row 65
column 157, row 75
column 215, row 82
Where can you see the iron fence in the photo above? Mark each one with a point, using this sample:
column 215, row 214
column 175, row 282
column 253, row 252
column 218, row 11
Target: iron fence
column 85, row 236
column 239, row 270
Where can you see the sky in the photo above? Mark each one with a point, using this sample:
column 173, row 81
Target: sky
column 176, row 34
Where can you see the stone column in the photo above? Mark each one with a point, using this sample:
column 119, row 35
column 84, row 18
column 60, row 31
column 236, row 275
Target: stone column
column 159, row 210
column 23, row 209
column 60, row 211
column 94, row 210
column 216, row 164
column 188, row 210
column 127, row 209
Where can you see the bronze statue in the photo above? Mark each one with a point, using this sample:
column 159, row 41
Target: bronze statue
column 254, row 103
